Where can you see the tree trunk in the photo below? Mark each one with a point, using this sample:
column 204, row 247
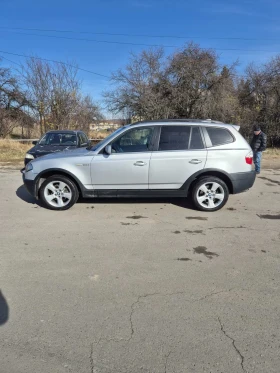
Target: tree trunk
column 41, row 124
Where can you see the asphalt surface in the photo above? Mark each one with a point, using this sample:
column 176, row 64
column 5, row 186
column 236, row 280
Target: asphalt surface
column 138, row 286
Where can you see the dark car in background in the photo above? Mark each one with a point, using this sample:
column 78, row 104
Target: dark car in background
column 56, row 141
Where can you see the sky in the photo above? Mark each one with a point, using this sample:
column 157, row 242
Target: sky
column 222, row 25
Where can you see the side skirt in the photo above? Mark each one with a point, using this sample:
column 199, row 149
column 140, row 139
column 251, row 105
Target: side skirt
column 120, row 193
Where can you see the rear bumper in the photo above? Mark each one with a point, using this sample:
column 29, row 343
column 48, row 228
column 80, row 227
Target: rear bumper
column 242, row 181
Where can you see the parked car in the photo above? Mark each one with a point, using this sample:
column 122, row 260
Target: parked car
column 204, row 159
column 56, row 141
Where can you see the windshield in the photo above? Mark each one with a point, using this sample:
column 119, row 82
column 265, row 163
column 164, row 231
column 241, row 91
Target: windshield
column 108, row 138
column 59, row 139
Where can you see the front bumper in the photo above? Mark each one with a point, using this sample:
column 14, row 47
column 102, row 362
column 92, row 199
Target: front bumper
column 30, row 185
column 242, row 181
column 27, row 160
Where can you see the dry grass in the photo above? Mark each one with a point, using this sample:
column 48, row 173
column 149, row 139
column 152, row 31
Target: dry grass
column 34, row 133
column 99, row 134
column 271, row 153
column 13, row 151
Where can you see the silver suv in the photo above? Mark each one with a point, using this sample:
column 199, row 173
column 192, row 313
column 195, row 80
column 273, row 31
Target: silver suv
column 204, row 159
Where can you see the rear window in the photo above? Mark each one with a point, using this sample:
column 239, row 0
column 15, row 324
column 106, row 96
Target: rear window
column 219, row 136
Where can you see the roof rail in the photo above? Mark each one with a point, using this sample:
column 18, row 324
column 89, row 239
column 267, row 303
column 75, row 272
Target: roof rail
column 211, row 121
column 180, row 120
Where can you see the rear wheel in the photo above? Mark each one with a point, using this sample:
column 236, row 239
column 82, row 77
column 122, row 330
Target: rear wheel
column 210, row 194
column 58, row 193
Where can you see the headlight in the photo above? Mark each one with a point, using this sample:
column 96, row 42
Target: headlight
column 29, row 156
column 29, row 167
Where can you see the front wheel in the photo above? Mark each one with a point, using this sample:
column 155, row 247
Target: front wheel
column 210, row 194
column 58, row 193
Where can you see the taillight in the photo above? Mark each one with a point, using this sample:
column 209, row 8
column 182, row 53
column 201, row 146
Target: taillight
column 249, row 158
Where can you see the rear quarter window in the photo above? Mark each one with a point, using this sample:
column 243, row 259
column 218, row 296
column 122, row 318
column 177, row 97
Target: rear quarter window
column 219, row 136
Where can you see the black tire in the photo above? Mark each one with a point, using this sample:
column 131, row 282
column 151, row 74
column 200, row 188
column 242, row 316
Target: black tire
column 222, row 190
column 70, row 189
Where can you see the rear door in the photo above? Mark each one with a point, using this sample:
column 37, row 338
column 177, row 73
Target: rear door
column 180, row 154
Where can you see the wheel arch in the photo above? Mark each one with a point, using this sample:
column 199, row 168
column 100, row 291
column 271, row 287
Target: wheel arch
column 43, row 175
column 209, row 172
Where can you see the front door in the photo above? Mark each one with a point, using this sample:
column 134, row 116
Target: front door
column 128, row 165
column 180, row 154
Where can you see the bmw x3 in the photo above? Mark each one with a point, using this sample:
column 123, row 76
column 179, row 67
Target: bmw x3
column 203, row 159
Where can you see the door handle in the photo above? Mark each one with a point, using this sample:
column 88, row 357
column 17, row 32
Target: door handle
column 140, row 163
column 195, row 161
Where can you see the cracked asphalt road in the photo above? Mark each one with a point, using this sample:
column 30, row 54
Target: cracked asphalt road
column 138, row 286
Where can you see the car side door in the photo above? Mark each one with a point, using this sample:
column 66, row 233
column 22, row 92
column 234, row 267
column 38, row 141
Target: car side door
column 127, row 167
column 180, row 153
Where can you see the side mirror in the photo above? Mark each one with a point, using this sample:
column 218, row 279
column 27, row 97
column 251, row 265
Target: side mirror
column 34, row 142
column 108, row 149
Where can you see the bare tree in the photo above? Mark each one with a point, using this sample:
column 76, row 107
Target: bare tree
column 190, row 83
column 182, row 85
column 222, row 103
column 86, row 112
column 36, row 76
column 64, row 95
column 55, row 95
column 259, row 99
column 195, row 80
column 138, row 85
column 12, row 102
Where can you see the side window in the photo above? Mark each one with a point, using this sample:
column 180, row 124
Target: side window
column 219, row 136
column 137, row 140
column 80, row 139
column 174, row 138
column 196, row 140
column 83, row 138
column 55, row 139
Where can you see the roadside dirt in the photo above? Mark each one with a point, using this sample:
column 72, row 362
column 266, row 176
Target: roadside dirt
column 271, row 163
column 11, row 165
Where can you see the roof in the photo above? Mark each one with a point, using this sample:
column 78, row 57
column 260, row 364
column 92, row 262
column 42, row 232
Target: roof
column 63, row 131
